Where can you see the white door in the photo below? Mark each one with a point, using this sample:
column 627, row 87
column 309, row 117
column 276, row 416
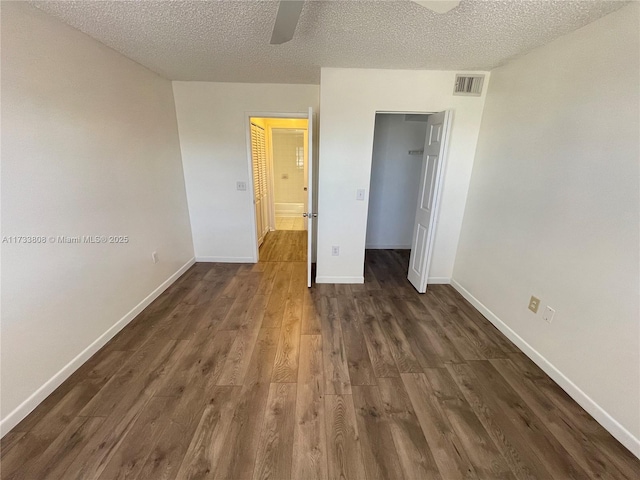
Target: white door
column 260, row 199
column 264, row 190
column 426, row 211
column 311, row 214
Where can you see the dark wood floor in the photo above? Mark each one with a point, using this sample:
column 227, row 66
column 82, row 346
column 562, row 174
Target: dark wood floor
column 240, row 371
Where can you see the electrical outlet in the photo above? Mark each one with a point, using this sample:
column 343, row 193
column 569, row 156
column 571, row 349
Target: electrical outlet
column 241, row 186
column 154, row 257
column 335, row 250
column 360, row 194
column 534, row 304
column 548, row 314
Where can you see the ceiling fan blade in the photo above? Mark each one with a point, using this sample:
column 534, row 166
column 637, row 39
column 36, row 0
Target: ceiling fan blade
column 438, row 6
column 286, row 21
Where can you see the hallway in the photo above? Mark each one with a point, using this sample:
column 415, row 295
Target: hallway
column 239, row 371
column 284, row 246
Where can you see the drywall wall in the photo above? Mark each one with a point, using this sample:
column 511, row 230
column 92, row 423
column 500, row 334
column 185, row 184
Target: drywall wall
column 89, row 147
column 395, row 181
column 212, row 120
column 553, row 211
column 349, row 101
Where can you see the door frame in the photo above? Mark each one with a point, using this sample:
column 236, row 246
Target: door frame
column 247, row 117
column 441, row 171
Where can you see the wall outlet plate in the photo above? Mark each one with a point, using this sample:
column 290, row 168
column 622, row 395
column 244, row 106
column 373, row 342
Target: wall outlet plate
column 548, row 314
column 241, row 186
column 335, row 251
column 534, row 304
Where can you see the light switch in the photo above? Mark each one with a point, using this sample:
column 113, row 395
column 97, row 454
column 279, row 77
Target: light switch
column 360, row 194
column 534, row 303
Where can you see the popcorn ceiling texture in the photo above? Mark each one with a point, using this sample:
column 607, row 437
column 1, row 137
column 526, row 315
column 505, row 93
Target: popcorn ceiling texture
column 228, row 41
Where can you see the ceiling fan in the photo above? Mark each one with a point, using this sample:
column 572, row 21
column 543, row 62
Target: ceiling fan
column 289, row 13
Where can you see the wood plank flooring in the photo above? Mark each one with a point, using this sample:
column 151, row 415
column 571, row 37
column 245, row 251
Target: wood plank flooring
column 284, row 246
column 241, row 372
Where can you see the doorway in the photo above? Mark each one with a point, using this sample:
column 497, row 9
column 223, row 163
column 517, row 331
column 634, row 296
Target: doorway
column 281, row 164
column 406, row 174
column 289, row 160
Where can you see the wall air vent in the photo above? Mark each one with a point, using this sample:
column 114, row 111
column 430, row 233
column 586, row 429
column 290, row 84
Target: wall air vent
column 468, row 85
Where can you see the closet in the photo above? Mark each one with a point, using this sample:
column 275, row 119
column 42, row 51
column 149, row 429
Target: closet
column 260, row 191
column 396, row 165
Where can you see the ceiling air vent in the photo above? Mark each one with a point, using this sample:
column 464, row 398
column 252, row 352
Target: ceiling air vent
column 468, row 85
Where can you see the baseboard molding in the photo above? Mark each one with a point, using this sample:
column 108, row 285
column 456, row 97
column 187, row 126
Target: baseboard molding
column 623, row 435
column 26, row 407
column 226, row 259
column 388, row 247
column 324, row 279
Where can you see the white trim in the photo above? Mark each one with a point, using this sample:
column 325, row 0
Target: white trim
column 438, row 281
column 309, row 162
column 226, row 259
column 387, row 247
column 405, row 112
column 623, row 435
column 26, row 407
column 326, row 279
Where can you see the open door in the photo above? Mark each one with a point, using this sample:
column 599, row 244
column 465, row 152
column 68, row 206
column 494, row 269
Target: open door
column 310, row 214
column 260, row 190
column 426, row 211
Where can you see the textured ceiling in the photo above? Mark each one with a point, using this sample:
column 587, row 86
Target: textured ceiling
column 229, row 40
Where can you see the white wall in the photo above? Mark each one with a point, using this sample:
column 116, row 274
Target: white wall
column 395, row 181
column 553, row 211
column 89, row 147
column 349, row 101
column 212, row 124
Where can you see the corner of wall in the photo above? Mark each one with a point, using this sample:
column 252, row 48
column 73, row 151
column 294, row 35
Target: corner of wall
column 623, row 435
column 26, row 407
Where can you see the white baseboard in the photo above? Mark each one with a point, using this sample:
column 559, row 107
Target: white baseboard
column 340, row 279
column 623, row 435
column 325, row 279
column 26, row 407
column 226, row 259
column 388, row 247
